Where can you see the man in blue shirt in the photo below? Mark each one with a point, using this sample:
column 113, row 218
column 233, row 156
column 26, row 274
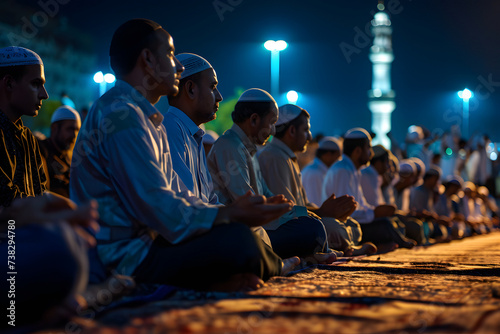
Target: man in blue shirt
column 196, row 103
column 151, row 228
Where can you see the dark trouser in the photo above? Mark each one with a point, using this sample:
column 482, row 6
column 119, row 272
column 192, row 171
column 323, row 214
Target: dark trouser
column 414, row 229
column 382, row 231
column 50, row 265
column 301, row 236
column 212, row 257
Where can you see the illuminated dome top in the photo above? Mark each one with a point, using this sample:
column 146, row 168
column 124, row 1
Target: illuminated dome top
column 381, row 19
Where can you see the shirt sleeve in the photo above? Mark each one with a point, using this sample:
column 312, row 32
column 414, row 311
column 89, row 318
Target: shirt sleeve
column 144, row 187
column 313, row 185
column 230, row 171
column 277, row 175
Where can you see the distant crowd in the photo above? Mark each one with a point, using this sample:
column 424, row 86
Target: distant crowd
column 131, row 195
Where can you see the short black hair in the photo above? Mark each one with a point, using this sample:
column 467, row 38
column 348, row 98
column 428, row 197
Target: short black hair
column 350, row 144
column 383, row 157
column 244, row 109
column 129, row 40
column 297, row 121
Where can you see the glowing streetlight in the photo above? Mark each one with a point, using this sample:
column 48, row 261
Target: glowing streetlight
column 103, row 80
column 465, row 95
column 292, row 97
column 275, row 47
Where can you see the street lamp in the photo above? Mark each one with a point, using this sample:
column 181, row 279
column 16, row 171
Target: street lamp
column 275, row 47
column 465, row 95
column 103, row 80
column 292, row 97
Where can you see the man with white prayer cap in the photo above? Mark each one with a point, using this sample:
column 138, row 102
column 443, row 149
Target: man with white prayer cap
column 58, row 148
column 196, row 103
column 50, row 257
column 344, row 177
column 22, row 91
column 235, row 169
column 328, row 152
column 281, row 172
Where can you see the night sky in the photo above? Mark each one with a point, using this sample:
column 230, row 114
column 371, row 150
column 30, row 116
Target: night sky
column 440, row 47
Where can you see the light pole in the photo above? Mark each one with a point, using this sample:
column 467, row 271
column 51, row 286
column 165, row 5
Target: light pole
column 465, row 95
column 275, row 47
column 103, row 80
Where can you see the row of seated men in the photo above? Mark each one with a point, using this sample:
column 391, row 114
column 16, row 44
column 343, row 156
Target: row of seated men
column 154, row 206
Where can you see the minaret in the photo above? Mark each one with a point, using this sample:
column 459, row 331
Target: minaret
column 381, row 96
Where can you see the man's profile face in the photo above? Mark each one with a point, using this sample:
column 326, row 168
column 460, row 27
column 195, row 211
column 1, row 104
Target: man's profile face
column 207, row 96
column 65, row 133
column 366, row 153
column 28, row 92
column 168, row 69
column 302, row 135
column 266, row 126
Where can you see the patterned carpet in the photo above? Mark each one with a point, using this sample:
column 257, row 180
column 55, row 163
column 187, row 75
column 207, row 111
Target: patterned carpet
column 445, row 288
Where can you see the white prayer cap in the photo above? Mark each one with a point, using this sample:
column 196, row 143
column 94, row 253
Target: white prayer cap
column 256, row 95
column 407, row 167
column 192, row 64
column 329, row 144
column 65, row 113
column 415, row 134
column 470, row 186
column 210, row 137
column 357, row 133
column 18, row 56
column 288, row 113
column 455, row 179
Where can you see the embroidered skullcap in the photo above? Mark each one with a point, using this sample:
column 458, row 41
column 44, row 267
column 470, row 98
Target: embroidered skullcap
column 210, row 137
column 329, row 144
column 65, row 113
column 256, row 95
column 407, row 167
column 18, row 56
column 379, row 150
column 192, row 64
column 357, row 133
column 288, row 113
column 455, row 179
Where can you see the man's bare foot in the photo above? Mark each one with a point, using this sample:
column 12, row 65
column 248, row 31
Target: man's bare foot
column 386, row 248
column 408, row 243
column 289, row 264
column 365, row 249
column 238, row 283
column 323, row 258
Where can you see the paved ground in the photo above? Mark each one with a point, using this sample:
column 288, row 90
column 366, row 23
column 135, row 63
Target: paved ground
column 445, row 288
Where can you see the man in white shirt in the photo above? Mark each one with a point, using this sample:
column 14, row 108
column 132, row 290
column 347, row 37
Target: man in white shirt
column 344, row 177
column 327, row 154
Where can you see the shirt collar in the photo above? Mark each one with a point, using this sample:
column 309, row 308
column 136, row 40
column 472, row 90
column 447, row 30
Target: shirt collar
column 249, row 145
column 283, row 147
column 320, row 163
column 187, row 122
column 16, row 127
column 149, row 110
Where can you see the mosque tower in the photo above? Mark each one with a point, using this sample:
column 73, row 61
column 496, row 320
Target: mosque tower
column 381, row 96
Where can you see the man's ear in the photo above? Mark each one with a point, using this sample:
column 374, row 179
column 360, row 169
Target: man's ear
column 254, row 119
column 8, row 81
column 292, row 130
column 190, row 89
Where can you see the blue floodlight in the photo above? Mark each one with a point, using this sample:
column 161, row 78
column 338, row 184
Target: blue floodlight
column 292, row 97
column 99, row 77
